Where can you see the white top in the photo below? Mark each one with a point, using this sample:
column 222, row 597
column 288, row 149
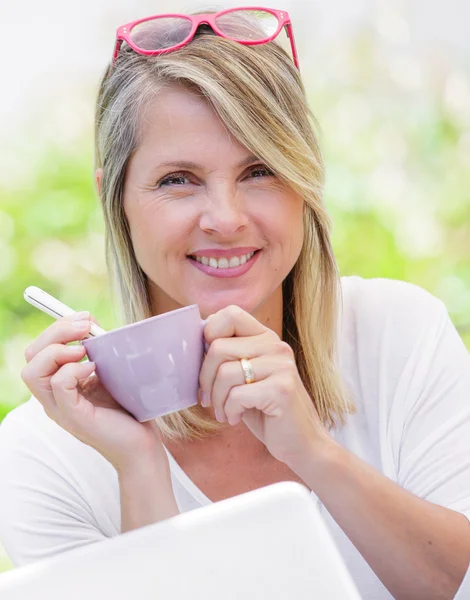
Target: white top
column 409, row 374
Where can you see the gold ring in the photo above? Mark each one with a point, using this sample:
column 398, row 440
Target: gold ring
column 247, row 370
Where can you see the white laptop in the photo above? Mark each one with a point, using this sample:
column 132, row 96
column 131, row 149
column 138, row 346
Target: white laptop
column 268, row 544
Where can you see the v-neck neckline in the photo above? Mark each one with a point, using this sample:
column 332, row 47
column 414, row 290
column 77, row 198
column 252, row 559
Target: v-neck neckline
column 185, row 481
column 196, row 492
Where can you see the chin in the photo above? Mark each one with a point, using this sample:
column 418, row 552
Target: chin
column 209, row 308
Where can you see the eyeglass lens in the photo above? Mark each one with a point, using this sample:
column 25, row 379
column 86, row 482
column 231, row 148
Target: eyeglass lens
column 241, row 25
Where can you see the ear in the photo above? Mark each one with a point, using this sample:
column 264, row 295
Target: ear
column 98, row 180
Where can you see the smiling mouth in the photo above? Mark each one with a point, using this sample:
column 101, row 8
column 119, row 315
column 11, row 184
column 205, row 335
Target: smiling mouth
column 224, row 263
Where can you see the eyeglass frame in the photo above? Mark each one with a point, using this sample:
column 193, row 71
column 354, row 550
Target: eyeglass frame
column 283, row 19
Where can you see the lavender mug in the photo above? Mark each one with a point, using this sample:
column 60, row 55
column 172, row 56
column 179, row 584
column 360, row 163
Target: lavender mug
column 151, row 367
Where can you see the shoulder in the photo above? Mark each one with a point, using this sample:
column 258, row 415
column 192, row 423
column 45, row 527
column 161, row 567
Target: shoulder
column 34, row 449
column 370, row 305
column 29, row 422
column 387, row 326
column 56, row 493
column 29, row 432
column 30, row 412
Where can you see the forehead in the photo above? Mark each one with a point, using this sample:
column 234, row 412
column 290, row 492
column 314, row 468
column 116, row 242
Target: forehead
column 177, row 120
column 175, row 101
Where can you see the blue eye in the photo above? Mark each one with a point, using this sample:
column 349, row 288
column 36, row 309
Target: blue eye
column 260, row 171
column 173, row 179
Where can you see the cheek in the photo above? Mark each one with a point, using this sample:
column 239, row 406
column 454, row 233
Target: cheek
column 285, row 221
column 297, row 214
column 156, row 230
column 292, row 230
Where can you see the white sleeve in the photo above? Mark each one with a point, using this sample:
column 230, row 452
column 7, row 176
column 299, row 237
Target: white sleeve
column 463, row 593
column 434, row 457
column 429, row 420
column 415, row 381
column 45, row 506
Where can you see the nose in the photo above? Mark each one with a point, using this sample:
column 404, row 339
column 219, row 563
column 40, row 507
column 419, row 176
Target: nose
column 224, row 213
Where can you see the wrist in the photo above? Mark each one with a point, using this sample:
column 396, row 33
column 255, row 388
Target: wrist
column 148, row 457
column 141, row 467
column 146, row 492
column 317, row 459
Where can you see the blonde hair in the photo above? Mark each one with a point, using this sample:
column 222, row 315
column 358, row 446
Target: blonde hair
column 258, row 94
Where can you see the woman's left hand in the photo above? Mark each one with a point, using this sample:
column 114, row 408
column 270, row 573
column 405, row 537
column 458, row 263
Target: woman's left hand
column 276, row 407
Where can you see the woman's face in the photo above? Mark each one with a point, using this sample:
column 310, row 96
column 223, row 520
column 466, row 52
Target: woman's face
column 199, row 204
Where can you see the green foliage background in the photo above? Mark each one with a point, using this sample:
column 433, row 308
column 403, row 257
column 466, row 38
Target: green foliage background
column 397, row 148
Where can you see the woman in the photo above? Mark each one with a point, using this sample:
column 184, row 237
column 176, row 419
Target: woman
column 211, row 182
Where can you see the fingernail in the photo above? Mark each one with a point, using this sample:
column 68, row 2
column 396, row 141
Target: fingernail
column 80, row 316
column 81, row 325
column 218, row 416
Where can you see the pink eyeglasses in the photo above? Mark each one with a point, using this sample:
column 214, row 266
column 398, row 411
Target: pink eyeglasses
column 165, row 33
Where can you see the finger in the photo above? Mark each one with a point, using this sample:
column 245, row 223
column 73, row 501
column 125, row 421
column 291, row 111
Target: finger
column 74, row 409
column 261, row 396
column 232, row 321
column 224, row 350
column 66, row 329
column 36, row 374
column 230, row 374
column 228, row 349
column 85, row 312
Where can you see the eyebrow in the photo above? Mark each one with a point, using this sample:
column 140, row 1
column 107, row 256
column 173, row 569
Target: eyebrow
column 183, row 164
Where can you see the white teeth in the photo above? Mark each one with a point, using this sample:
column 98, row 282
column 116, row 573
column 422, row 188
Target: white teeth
column 224, row 263
column 234, row 262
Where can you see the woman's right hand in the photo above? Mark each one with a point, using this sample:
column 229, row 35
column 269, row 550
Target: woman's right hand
column 77, row 401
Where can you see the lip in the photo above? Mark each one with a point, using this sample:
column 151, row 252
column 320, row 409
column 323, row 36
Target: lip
column 229, row 272
column 219, row 253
